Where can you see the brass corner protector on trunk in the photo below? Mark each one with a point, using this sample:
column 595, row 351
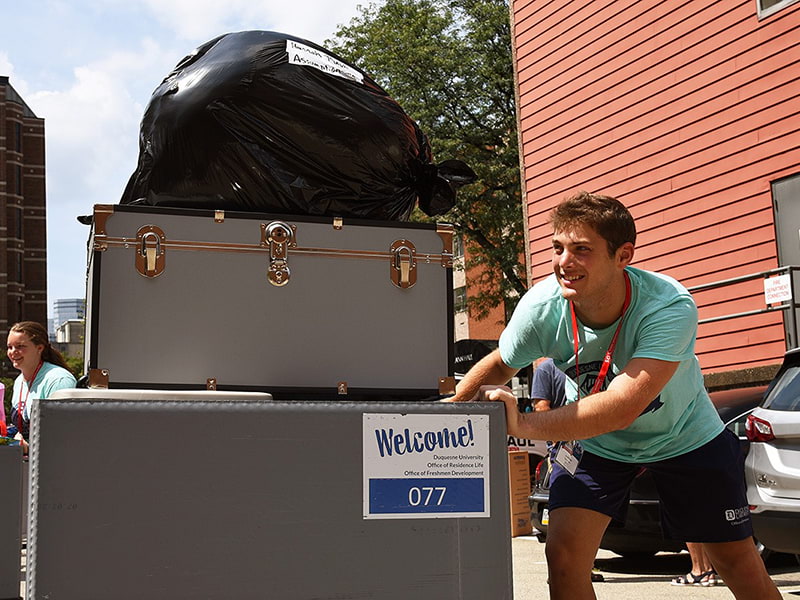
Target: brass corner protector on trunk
column 101, row 214
column 98, row 378
column 447, row 232
column 447, row 386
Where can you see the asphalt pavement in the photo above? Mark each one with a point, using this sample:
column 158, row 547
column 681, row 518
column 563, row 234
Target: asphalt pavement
column 628, row 579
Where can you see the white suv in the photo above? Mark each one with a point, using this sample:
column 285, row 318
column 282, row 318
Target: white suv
column 772, row 467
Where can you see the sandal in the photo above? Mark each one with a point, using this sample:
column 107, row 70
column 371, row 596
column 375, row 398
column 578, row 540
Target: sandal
column 710, row 579
column 691, row 579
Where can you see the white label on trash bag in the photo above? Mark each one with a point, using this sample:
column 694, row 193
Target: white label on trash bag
column 300, row 54
column 425, row 466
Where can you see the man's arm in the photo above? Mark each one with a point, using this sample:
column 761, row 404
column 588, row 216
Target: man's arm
column 490, row 370
column 611, row 410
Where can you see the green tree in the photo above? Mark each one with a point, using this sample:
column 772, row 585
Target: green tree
column 8, row 382
column 449, row 65
column 75, row 364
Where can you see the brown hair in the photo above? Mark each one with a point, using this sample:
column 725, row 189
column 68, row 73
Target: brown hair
column 38, row 335
column 606, row 215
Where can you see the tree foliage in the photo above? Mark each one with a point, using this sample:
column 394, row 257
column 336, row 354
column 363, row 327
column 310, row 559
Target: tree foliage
column 75, row 364
column 448, row 63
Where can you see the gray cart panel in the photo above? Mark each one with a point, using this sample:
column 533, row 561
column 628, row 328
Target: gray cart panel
column 11, row 509
column 213, row 499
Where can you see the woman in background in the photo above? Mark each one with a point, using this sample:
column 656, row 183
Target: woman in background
column 42, row 371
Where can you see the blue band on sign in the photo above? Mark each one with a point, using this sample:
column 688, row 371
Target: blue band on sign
column 388, row 496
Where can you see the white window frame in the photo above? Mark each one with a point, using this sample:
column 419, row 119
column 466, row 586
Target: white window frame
column 460, row 306
column 766, row 12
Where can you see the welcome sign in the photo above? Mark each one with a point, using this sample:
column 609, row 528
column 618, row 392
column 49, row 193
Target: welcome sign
column 425, row 466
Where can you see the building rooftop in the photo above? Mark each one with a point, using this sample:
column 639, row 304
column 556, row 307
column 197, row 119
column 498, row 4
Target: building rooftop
column 13, row 96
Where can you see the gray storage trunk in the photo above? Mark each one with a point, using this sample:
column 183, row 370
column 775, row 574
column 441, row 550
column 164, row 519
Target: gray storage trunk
column 151, row 494
column 300, row 307
column 12, row 514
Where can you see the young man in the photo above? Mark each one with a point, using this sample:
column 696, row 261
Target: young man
column 625, row 339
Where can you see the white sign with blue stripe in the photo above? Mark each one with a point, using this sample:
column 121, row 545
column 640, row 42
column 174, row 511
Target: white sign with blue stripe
column 426, row 466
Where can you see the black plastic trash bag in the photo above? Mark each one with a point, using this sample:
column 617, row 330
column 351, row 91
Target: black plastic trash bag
column 260, row 121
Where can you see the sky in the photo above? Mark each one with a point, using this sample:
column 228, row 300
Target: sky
column 89, row 68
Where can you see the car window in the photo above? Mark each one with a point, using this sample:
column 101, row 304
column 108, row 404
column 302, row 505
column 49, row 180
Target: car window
column 737, row 425
column 785, row 394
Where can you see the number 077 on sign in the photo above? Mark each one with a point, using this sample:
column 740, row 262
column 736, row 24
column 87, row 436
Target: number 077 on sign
column 426, row 466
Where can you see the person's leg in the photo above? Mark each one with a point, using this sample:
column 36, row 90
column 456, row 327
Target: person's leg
column 742, row 569
column 709, row 574
column 573, row 538
column 718, row 516
column 698, row 558
column 703, row 564
column 699, row 567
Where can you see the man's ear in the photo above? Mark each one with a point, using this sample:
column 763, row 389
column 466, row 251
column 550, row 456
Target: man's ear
column 625, row 254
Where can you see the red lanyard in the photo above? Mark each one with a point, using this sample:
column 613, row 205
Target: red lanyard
column 601, row 377
column 21, row 404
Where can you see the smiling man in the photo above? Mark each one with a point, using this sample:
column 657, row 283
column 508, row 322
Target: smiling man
column 625, row 339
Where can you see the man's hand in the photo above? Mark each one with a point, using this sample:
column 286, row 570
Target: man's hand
column 494, row 393
column 541, row 405
column 489, row 370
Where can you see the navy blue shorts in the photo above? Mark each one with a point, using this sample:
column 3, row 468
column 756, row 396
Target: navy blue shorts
column 702, row 493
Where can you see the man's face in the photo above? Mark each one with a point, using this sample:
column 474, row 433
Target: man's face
column 582, row 264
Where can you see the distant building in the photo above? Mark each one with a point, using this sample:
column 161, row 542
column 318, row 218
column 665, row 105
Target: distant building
column 69, row 337
column 66, row 309
column 23, row 235
column 466, row 326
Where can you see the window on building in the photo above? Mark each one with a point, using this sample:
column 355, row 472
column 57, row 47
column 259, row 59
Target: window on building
column 458, row 247
column 19, row 267
column 18, row 182
column 768, row 7
column 18, row 137
column 460, row 299
column 19, row 223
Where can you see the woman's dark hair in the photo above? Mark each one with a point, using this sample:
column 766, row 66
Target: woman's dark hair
column 38, row 335
column 606, row 215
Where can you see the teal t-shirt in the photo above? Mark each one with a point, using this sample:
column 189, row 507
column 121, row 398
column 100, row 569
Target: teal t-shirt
column 49, row 379
column 660, row 323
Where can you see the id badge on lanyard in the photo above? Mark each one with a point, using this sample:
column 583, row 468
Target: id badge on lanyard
column 568, row 454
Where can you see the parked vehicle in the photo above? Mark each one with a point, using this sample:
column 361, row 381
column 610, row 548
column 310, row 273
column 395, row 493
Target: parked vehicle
column 772, row 468
column 641, row 534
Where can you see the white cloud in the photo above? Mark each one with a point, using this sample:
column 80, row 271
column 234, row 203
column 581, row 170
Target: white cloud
column 91, row 131
column 314, row 20
column 6, row 68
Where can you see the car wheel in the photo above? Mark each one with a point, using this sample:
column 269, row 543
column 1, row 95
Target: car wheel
column 762, row 550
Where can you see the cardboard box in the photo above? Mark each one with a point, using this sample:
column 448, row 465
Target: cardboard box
column 519, row 479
